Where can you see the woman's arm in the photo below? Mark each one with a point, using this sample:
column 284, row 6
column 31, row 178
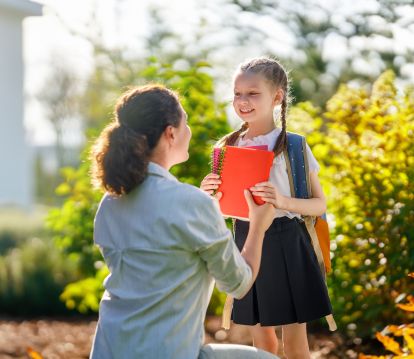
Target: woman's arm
column 261, row 217
column 314, row 206
column 206, row 233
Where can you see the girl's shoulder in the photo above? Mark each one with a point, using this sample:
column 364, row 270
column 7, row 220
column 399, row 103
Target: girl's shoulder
column 295, row 136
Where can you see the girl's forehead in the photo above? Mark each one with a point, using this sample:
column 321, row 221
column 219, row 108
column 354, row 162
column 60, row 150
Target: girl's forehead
column 249, row 79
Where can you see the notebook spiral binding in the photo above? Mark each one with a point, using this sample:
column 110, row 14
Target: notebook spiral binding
column 217, row 164
column 213, row 162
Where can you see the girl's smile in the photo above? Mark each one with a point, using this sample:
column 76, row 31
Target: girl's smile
column 246, row 111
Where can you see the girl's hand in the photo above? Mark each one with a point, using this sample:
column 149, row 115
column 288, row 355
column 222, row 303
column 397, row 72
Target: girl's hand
column 269, row 193
column 210, row 183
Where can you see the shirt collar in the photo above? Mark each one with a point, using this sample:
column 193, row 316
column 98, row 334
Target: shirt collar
column 157, row 170
column 265, row 139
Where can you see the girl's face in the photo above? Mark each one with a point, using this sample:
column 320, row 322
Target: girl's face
column 254, row 98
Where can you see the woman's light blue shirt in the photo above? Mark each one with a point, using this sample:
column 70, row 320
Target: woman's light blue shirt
column 164, row 244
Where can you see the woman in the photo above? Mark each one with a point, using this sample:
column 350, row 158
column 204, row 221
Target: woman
column 163, row 241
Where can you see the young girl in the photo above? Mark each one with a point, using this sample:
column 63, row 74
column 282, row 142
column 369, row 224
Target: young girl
column 289, row 290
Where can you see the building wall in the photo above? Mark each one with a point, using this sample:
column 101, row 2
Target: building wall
column 16, row 168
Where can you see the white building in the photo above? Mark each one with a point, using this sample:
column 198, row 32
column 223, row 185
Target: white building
column 16, row 170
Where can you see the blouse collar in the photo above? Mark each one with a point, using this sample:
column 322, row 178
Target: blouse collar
column 265, row 139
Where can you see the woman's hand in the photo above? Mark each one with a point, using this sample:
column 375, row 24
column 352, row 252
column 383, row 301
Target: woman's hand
column 210, row 183
column 269, row 193
column 261, row 216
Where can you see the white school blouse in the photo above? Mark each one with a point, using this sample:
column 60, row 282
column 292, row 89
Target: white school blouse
column 164, row 243
column 278, row 173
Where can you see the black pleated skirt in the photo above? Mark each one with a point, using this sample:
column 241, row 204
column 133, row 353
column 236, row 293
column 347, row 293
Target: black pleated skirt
column 289, row 287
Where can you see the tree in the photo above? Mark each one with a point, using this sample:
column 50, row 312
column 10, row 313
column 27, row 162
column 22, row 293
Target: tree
column 60, row 98
column 324, row 44
column 73, row 222
column 367, row 36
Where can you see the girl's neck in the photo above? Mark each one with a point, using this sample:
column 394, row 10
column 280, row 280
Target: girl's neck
column 256, row 129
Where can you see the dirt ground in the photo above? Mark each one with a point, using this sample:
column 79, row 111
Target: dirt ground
column 71, row 339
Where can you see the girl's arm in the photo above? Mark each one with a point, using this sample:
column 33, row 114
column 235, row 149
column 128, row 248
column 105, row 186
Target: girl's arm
column 314, row 206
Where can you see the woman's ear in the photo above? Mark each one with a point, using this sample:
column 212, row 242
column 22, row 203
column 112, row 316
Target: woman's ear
column 169, row 134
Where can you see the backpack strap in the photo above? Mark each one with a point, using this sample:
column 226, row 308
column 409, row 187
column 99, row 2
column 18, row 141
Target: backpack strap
column 289, row 171
column 306, row 164
column 297, row 167
column 298, row 172
column 295, row 164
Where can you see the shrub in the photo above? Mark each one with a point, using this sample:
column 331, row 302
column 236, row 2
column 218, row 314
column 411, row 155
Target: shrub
column 403, row 344
column 32, row 276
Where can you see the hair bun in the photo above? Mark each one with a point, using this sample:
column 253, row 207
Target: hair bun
column 120, row 144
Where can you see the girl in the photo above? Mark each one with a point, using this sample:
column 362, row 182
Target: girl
column 289, row 289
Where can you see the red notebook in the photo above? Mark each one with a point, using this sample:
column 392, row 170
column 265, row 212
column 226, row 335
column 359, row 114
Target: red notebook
column 240, row 168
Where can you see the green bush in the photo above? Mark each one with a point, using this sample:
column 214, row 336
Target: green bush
column 8, row 240
column 216, row 304
column 364, row 140
column 398, row 339
column 16, row 226
column 33, row 273
column 32, row 277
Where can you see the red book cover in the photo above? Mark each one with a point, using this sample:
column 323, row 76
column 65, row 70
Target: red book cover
column 240, row 168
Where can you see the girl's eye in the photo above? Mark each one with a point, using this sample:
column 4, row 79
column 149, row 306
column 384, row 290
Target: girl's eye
column 237, row 94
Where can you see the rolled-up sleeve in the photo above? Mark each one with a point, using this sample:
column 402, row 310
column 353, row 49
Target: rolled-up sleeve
column 225, row 263
column 206, row 231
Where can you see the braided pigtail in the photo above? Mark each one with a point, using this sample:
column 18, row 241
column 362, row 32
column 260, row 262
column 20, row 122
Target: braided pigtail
column 231, row 138
column 281, row 142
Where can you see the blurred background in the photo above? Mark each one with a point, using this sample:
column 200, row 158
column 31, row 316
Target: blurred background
column 64, row 63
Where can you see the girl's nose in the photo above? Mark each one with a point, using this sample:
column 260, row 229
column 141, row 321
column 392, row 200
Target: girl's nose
column 243, row 99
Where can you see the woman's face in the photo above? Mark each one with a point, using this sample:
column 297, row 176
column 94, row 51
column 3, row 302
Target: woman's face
column 182, row 136
column 254, row 98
